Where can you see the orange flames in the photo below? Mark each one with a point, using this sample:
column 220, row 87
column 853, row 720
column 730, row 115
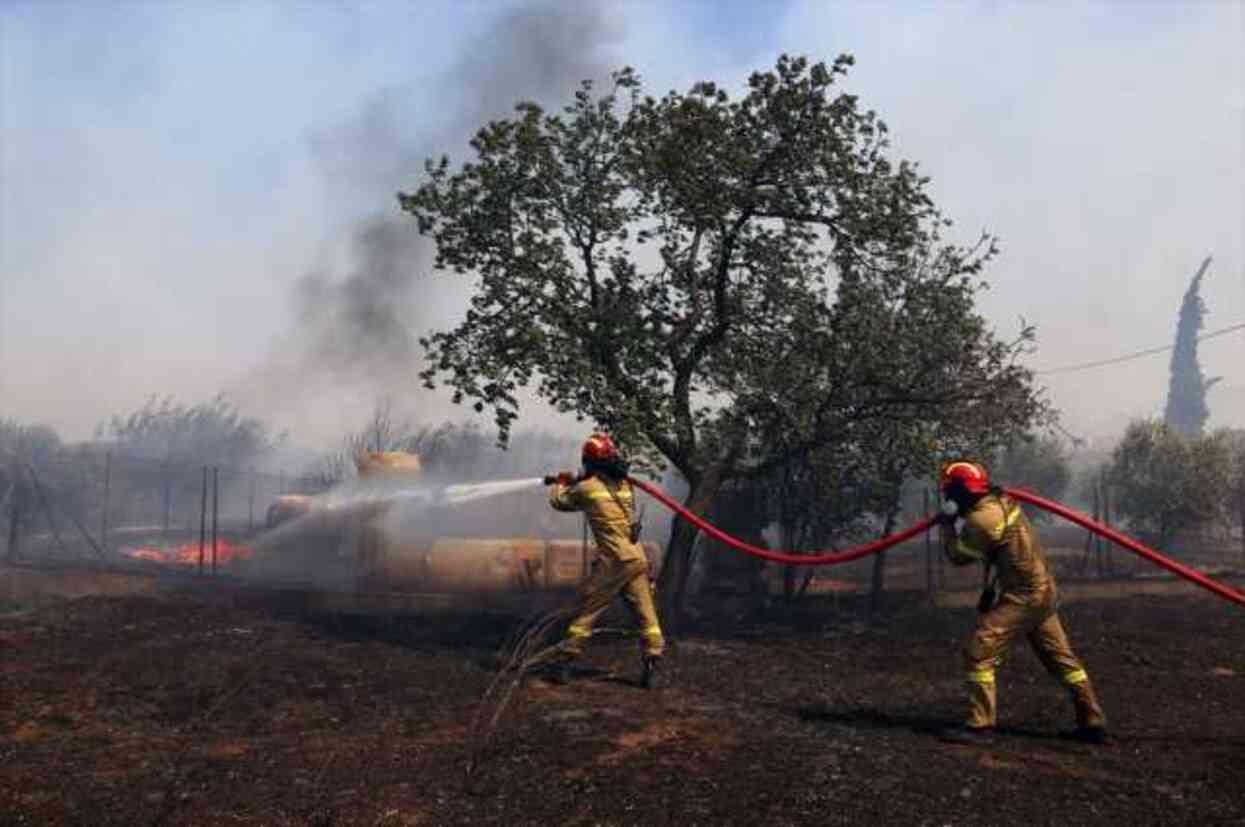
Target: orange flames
column 187, row 554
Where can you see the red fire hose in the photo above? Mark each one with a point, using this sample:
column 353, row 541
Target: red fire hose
column 1192, row 575
column 833, row 558
column 825, row 559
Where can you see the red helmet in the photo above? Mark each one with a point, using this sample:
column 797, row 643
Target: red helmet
column 971, row 475
column 599, row 448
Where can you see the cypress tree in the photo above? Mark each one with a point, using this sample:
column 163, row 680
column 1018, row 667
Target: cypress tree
column 1186, row 393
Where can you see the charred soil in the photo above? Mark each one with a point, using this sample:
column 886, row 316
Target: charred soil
column 158, row 710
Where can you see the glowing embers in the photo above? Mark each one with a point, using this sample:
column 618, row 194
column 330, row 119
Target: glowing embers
column 187, row 554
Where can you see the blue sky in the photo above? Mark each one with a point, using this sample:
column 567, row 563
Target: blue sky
column 177, row 178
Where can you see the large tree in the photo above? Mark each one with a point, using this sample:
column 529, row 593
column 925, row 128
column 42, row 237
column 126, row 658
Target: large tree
column 723, row 284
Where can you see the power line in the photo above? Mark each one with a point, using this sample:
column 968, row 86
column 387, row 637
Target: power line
column 1138, row 354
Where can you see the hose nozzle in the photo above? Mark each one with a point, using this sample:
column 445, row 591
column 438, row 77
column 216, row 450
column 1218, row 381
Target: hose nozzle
column 560, row 478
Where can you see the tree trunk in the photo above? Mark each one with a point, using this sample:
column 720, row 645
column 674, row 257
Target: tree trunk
column 789, row 573
column 1240, row 504
column 879, row 564
column 677, row 567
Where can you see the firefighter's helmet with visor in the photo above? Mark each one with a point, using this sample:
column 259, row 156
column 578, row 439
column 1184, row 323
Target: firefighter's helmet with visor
column 971, row 476
column 600, row 448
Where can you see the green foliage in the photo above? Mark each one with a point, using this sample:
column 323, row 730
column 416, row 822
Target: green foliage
column 1234, row 493
column 23, row 446
column 1165, row 482
column 724, row 282
column 1038, row 462
column 26, row 443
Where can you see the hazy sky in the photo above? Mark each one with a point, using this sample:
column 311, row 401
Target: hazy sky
column 198, row 196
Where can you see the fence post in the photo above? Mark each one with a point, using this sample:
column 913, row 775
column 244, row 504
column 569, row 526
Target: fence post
column 1106, row 520
column 17, row 509
column 167, row 495
column 103, row 520
column 1098, row 564
column 203, row 519
column 929, row 551
column 215, row 511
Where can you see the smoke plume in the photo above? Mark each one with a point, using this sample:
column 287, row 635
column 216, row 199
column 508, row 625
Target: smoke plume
column 358, row 322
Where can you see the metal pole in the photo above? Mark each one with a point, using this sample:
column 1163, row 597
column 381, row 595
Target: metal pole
column 203, row 519
column 1106, row 520
column 168, row 495
column 1098, row 518
column 929, row 551
column 17, row 509
column 215, row 511
column 103, row 528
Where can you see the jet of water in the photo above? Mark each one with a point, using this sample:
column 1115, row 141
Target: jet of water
column 470, row 492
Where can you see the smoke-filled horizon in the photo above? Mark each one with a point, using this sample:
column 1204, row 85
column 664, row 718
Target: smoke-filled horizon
column 199, row 197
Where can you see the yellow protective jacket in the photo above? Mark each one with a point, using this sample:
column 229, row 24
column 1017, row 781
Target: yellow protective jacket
column 608, row 507
column 997, row 530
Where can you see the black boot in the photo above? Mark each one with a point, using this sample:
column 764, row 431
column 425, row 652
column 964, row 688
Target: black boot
column 557, row 672
column 1088, row 735
column 651, row 678
column 964, row 734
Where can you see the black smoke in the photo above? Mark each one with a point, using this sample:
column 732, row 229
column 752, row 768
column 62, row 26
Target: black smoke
column 361, row 322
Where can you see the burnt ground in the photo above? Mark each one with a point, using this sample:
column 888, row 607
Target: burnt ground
column 163, row 710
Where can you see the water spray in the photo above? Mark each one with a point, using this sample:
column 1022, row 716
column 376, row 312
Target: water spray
column 361, row 497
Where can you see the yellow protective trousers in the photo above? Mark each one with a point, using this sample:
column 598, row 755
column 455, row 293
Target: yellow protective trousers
column 609, row 578
column 1035, row 617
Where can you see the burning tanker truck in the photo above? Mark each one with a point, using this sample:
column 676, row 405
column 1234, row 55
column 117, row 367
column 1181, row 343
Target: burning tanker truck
column 397, row 530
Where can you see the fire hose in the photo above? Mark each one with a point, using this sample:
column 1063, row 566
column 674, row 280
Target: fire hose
column 833, row 558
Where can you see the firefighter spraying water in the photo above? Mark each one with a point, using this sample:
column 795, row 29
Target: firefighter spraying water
column 603, row 493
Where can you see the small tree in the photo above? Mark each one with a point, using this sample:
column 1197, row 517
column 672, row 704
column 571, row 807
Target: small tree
column 725, row 285
column 1038, row 462
column 22, row 447
column 1234, row 491
column 817, row 502
column 26, row 443
column 1166, row 482
column 212, row 432
column 163, row 443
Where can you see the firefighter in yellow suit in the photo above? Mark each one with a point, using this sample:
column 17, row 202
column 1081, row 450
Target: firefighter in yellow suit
column 606, row 498
column 997, row 533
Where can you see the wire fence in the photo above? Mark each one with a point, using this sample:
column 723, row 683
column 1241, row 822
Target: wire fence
column 85, row 503
column 92, row 504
